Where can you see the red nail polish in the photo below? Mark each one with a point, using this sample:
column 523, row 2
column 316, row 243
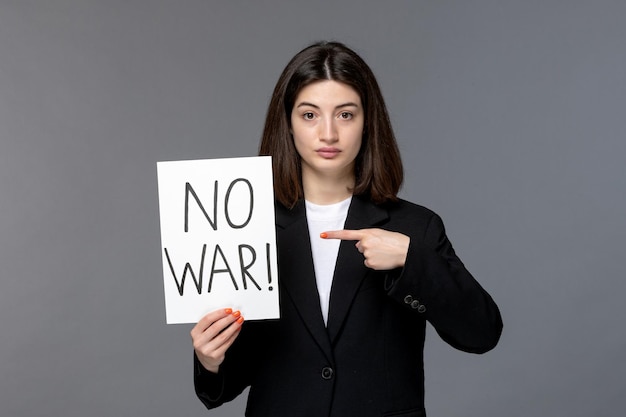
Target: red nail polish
column 237, row 313
column 240, row 320
column 323, row 235
column 228, row 310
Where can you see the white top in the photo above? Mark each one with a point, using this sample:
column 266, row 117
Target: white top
column 323, row 219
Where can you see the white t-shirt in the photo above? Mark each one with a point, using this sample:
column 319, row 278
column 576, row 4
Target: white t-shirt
column 323, row 219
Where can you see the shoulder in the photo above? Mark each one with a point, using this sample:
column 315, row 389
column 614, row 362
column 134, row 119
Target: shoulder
column 408, row 208
column 413, row 219
column 286, row 216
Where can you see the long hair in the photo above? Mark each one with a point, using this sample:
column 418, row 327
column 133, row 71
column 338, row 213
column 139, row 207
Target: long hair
column 378, row 166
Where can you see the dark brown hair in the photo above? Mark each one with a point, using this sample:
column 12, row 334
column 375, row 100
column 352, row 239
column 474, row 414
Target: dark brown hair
column 378, row 167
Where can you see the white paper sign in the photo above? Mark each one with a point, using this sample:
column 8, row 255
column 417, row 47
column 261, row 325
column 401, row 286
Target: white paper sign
column 218, row 238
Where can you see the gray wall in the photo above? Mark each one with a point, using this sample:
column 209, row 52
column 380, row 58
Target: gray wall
column 511, row 119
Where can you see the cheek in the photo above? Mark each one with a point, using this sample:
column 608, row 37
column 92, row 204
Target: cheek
column 299, row 135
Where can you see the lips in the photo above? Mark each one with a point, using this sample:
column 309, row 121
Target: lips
column 328, row 152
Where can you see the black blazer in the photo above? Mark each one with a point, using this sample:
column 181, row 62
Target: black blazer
column 368, row 361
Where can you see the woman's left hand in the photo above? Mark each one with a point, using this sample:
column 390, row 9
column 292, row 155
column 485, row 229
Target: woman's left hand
column 382, row 249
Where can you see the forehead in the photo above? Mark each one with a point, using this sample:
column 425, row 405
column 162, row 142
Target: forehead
column 328, row 92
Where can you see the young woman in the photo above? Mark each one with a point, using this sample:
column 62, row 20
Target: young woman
column 360, row 269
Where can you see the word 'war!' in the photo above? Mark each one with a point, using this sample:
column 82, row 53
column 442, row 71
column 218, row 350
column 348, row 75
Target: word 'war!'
column 245, row 261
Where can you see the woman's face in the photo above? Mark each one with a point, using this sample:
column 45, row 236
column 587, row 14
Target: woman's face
column 327, row 127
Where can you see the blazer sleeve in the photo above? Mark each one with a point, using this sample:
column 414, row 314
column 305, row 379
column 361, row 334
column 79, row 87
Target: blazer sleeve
column 434, row 283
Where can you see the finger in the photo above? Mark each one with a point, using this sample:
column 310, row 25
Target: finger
column 210, row 318
column 344, row 234
column 223, row 339
column 226, row 343
column 226, row 338
column 218, row 333
column 202, row 335
column 212, row 354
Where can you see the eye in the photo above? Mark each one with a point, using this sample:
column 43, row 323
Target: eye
column 345, row 115
column 308, row 116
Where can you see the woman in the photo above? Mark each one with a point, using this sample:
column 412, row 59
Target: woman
column 360, row 269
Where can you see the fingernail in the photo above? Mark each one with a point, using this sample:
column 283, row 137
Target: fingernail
column 228, row 310
column 237, row 313
column 240, row 320
column 323, row 235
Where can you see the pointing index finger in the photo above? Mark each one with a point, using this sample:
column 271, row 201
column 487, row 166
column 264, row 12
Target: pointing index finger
column 343, row 234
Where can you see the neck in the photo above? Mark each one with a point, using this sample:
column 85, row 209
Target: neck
column 326, row 190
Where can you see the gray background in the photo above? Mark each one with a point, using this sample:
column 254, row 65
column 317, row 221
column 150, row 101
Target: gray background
column 511, row 119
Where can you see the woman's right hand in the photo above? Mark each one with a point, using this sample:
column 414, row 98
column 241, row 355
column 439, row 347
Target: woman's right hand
column 213, row 335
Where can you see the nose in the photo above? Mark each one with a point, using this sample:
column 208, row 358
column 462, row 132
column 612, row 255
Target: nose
column 328, row 131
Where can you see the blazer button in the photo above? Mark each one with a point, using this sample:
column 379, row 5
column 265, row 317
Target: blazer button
column 408, row 299
column 327, row 372
column 415, row 304
column 421, row 308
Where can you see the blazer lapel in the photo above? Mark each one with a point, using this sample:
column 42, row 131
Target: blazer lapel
column 296, row 272
column 350, row 269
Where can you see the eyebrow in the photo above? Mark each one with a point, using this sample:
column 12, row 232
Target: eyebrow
column 340, row 106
